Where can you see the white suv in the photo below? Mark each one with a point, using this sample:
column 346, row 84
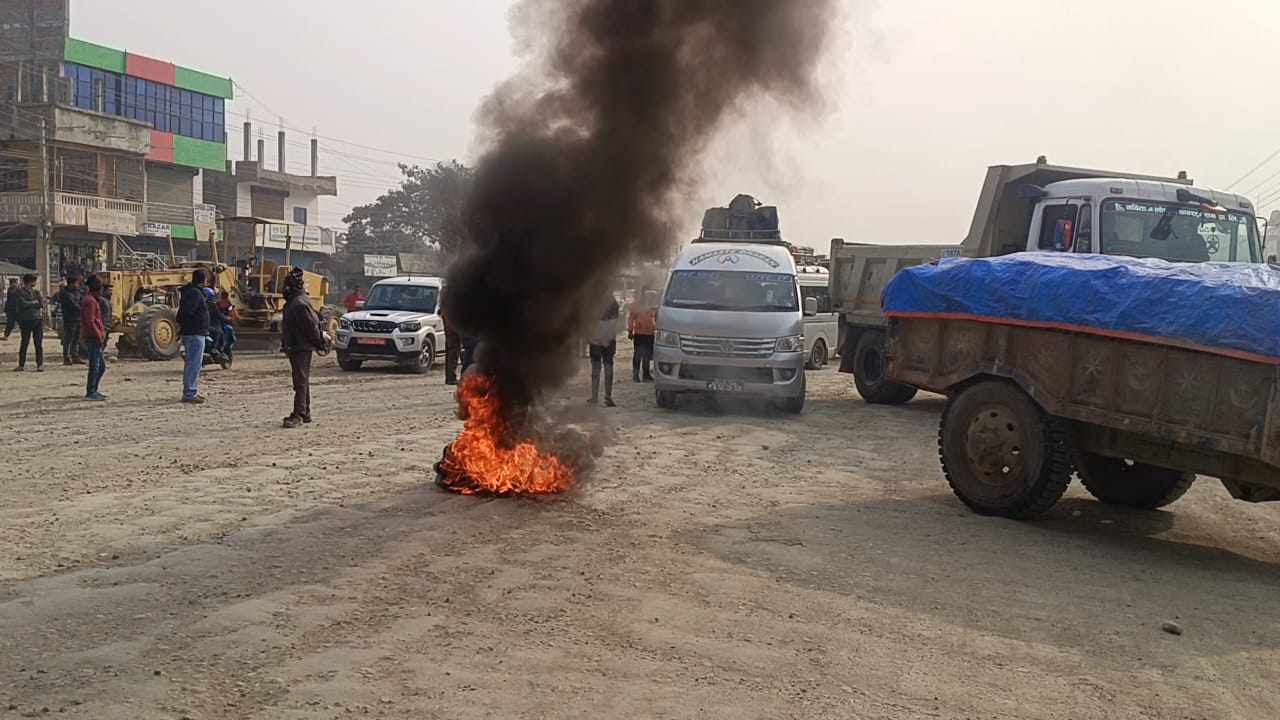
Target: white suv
column 400, row 323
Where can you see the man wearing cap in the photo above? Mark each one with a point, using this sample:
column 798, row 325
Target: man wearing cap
column 193, row 323
column 300, row 336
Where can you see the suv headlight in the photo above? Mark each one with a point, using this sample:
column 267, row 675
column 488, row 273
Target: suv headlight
column 410, row 326
column 344, row 324
column 791, row 343
column 667, row 338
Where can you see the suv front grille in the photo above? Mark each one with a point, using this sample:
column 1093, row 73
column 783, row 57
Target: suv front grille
column 727, row 347
column 373, row 326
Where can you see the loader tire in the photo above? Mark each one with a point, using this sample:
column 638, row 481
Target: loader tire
column 1131, row 484
column 1001, row 454
column 157, row 336
column 868, row 372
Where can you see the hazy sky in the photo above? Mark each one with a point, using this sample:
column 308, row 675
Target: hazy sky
column 921, row 96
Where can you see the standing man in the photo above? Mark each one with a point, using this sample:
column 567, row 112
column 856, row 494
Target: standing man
column 452, row 349
column 193, row 323
column 10, row 307
column 30, row 312
column 94, row 334
column 642, row 323
column 603, row 346
column 353, row 299
column 70, row 298
column 300, row 336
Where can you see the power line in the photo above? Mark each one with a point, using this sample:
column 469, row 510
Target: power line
column 1255, row 168
column 333, row 139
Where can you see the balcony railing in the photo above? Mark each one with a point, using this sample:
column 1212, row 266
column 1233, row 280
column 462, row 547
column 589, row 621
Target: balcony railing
column 76, row 200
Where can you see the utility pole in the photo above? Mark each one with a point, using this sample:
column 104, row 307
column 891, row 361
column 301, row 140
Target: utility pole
column 44, row 227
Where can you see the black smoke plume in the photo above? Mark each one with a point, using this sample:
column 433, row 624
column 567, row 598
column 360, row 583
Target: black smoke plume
column 588, row 152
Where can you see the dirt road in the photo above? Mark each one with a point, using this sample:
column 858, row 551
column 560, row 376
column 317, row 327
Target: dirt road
column 169, row 561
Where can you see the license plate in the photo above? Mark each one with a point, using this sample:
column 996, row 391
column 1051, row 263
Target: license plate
column 725, row 386
column 369, row 341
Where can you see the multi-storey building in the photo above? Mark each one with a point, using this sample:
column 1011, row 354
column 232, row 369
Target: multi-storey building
column 107, row 154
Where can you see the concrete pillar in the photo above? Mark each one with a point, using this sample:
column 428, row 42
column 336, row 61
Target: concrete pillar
column 261, row 151
column 315, row 157
column 280, row 143
column 248, row 140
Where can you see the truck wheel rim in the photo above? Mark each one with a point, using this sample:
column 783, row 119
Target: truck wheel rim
column 994, row 444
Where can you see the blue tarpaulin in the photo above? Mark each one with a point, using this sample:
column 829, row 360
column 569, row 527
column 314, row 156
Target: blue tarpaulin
column 1228, row 307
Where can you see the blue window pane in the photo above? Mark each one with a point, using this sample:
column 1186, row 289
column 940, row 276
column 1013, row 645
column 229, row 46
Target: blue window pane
column 197, row 129
column 184, row 127
column 207, row 116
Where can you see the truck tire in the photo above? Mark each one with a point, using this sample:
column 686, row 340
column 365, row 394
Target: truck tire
column 818, row 355
column 1002, row 455
column 868, row 372
column 156, row 334
column 1131, row 484
column 347, row 363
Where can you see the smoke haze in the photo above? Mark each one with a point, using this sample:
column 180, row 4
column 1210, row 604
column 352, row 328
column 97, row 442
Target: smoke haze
column 591, row 150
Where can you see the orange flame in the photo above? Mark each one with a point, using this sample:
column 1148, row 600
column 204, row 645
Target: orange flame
column 479, row 461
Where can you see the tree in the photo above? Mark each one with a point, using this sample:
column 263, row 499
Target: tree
column 424, row 212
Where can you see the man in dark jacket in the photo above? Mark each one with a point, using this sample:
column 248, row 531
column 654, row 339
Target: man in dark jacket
column 70, row 298
column 193, row 323
column 29, row 308
column 11, row 307
column 300, row 336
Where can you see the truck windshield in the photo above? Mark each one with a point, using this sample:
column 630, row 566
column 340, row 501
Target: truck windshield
column 728, row 290
column 1181, row 233
column 407, row 298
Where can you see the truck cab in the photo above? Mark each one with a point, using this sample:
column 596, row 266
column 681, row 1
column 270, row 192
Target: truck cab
column 1039, row 207
column 1118, row 216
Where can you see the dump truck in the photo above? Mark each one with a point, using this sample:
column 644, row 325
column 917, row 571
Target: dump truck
column 1039, row 389
column 1040, row 207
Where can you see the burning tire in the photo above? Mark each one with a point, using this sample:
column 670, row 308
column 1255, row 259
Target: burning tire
column 868, row 372
column 1003, row 455
column 1131, row 484
column 157, row 336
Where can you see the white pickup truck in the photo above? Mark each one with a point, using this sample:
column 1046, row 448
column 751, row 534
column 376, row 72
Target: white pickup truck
column 1041, row 207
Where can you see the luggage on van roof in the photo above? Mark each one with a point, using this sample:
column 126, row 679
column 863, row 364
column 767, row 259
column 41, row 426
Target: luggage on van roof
column 744, row 219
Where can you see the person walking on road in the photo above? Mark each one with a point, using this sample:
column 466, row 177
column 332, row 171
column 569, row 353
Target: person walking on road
column 300, row 337
column 29, row 309
column 70, row 298
column 94, row 334
column 10, row 307
column 193, row 323
column 603, row 346
column 642, row 323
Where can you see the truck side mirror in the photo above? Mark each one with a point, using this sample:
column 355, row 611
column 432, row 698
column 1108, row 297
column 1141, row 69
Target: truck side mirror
column 810, row 306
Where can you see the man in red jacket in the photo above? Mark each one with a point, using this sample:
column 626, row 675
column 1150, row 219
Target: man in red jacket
column 94, row 335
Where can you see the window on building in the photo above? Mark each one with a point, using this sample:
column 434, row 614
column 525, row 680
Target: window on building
column 300, row 215
column 164, row 107
column 13, row 175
